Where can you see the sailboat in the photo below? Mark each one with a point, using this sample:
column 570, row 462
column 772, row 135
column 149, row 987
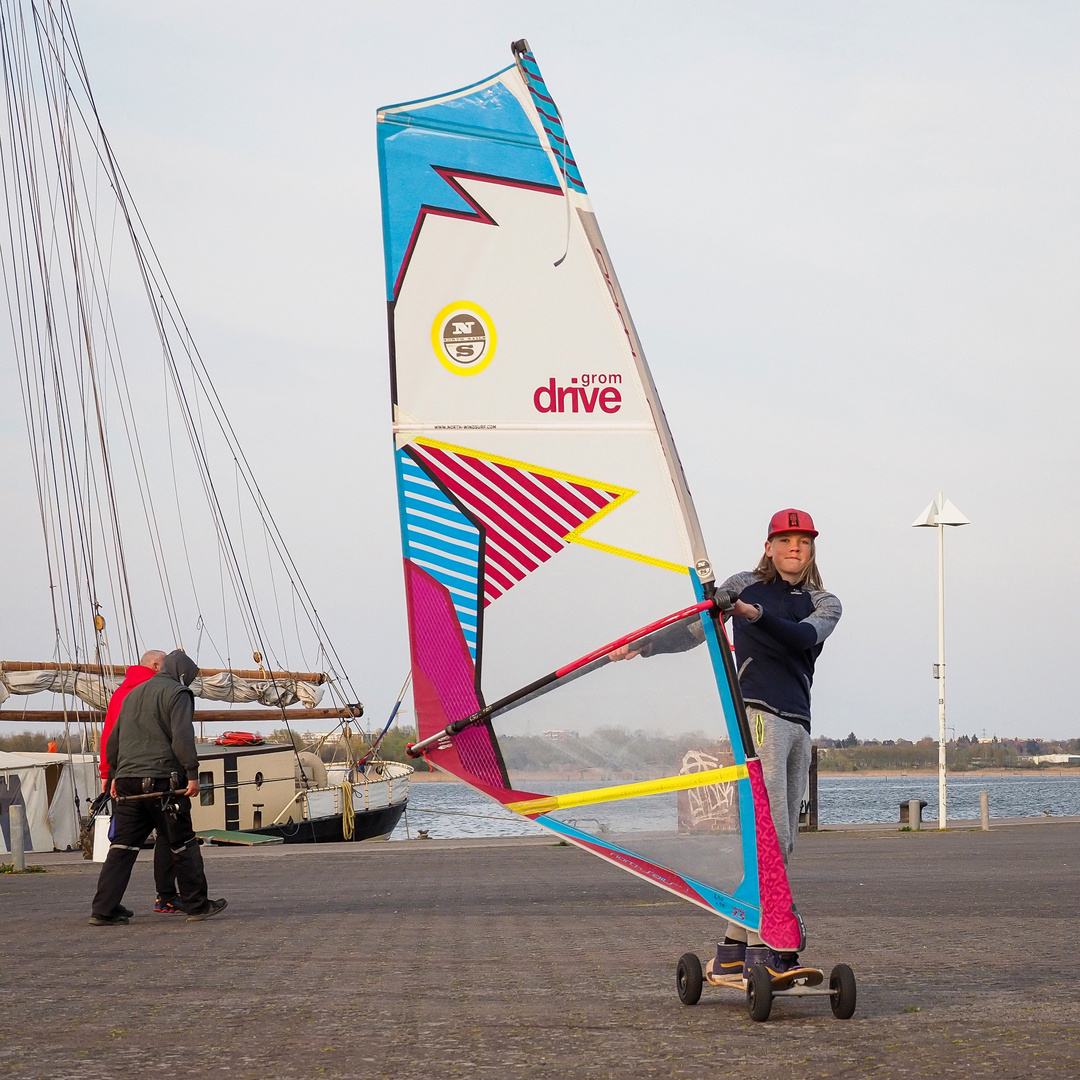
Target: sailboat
column 156, row 533
column 547, row 527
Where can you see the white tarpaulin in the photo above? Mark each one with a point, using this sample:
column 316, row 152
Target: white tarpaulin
column 96, row 690
column 226, row 686
column 46, row 786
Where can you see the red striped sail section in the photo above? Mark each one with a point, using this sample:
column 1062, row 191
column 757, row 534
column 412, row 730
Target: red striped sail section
column 528, row 513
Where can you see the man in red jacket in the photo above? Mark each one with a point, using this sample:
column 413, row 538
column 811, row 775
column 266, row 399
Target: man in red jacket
column 168, row 899
column 146, row 668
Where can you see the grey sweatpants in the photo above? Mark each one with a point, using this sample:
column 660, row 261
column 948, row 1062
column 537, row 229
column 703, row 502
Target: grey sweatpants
column 784, row 749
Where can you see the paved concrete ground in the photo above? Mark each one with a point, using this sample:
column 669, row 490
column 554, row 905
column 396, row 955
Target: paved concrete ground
column 520, row 958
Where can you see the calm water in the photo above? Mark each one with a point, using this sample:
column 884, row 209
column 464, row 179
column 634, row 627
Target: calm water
column 454, row 807
column 451, row 811
column 851, row 799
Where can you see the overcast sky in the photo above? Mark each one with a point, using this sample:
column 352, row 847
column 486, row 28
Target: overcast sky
column 848, row 235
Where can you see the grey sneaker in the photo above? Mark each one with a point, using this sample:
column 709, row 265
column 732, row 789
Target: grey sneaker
column 117, row 918
column 213, row 907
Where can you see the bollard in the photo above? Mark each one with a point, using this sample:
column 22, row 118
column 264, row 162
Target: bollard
column 984, row 807
column 914, row 814
column 18, row 842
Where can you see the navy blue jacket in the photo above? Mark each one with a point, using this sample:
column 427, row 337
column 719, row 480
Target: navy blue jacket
column 776, row 651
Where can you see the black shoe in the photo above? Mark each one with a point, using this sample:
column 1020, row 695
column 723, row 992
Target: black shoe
column 121, row 910
column 117, row 918
column 729, row 959
column 213, row 907
column 777, row 963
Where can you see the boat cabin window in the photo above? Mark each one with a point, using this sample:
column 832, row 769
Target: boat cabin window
column 206, row 789
column 258, row 780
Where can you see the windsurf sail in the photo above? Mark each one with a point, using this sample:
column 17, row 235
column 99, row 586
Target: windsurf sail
column 548, row 533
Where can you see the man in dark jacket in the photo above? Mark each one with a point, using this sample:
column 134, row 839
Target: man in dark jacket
column 168, row 899
column 152, row 749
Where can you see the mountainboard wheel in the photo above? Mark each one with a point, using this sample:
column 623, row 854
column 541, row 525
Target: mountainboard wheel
column 688, row 978
column 842, row 985
column 759, row 993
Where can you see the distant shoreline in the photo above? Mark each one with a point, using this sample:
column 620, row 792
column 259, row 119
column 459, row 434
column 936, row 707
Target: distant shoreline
column 1061, row 770
column 423, row 776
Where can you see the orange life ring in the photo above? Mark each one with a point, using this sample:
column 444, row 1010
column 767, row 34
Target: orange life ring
column 239, row 738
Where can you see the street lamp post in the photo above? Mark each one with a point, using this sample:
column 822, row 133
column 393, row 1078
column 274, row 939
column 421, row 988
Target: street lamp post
column 937, row 515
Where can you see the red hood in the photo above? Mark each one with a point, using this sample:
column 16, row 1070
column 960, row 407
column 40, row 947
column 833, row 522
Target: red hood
column 136, row 675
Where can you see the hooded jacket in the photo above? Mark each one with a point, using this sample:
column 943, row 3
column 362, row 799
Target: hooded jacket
column 136, row 676
column 155, row 734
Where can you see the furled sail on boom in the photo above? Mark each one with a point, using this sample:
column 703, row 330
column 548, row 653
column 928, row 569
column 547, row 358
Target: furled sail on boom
column 545, row 519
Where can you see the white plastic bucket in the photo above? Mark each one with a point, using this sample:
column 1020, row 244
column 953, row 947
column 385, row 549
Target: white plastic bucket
column 101, row 836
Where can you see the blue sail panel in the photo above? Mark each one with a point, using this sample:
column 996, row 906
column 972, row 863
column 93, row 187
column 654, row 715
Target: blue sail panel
column 481, row 130
column 438, row 537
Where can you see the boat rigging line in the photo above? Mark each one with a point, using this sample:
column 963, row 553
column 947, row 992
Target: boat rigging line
column 54, row 153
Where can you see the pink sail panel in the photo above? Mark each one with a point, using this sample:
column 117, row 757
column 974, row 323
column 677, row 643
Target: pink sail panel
column 444, row 679
column 528, row 513
column 780, row 928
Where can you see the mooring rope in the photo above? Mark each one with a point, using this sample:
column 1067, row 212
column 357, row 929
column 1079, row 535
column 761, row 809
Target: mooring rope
column 348, row 816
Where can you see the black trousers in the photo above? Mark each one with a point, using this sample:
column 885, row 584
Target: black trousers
column 164, row 870
column 132, row 824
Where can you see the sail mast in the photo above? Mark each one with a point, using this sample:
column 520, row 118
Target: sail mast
column 702, row 565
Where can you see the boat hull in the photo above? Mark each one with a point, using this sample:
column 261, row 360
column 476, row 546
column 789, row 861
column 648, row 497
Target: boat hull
column 367, row 825
column 258, row 789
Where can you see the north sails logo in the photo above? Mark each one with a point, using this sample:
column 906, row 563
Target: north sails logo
column 586, row 393
column 463, row 337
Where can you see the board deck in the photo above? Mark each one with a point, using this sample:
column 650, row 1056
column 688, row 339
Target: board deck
column 804, row 976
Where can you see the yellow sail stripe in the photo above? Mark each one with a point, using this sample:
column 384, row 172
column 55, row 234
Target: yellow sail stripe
column 685, row 782
column 585, row 541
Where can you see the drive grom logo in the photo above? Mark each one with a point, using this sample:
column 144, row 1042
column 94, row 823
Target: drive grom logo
column 463, row 337
column 587, row 392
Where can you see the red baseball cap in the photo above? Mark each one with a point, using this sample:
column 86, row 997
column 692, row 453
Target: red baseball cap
column 791, row 520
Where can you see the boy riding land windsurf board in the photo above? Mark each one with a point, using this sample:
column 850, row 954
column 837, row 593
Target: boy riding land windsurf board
column 782, row 615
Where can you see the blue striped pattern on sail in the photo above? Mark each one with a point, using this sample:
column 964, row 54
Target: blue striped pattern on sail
column 439, row 538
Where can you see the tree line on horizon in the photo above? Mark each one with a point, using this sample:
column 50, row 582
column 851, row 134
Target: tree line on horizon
column 624, row 751
column 852, row 755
